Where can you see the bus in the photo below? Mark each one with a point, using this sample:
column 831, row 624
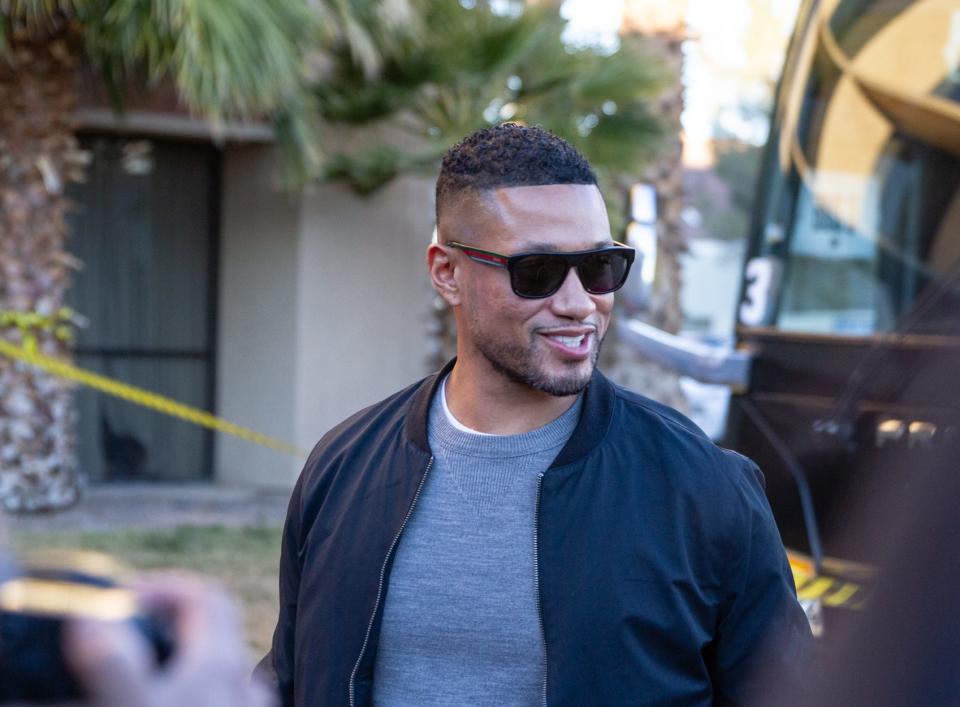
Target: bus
column 845, row 372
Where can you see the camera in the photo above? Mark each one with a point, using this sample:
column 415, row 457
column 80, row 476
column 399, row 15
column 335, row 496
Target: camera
column 39, row 594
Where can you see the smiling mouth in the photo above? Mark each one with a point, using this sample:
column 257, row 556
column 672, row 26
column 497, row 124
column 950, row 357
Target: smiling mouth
column 576, row 345
column 571, row 342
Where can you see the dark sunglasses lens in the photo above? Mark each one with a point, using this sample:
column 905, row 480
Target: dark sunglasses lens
column 604, row 272
column 538, row 275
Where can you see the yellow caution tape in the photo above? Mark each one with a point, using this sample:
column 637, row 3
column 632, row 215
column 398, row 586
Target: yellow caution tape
column 832, row 591
column 57, row 324
column 844, row 595
column 139, row 396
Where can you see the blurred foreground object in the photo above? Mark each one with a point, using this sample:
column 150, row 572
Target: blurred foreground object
column 902, row 648
column 73, row 625
column 40, row 597
column 209, row 667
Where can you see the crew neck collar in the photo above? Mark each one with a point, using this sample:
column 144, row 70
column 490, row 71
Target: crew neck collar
column 597, row 401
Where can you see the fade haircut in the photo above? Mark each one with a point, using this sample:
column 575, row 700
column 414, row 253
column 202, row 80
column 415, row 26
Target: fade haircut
column 508, row 155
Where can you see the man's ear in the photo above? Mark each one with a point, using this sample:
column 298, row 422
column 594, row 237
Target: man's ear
column 443, row 273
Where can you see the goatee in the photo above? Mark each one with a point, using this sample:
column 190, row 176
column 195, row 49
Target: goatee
column 520, row 366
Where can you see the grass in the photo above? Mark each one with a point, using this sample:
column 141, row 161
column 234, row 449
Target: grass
column 242, row 559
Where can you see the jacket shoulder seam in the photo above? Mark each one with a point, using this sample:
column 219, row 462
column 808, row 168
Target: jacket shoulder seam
column 641, row 402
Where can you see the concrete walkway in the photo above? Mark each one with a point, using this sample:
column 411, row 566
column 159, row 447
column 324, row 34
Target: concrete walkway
column 121, row 506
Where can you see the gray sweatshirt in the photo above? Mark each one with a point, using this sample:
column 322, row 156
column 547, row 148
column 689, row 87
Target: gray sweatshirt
column 460, row 622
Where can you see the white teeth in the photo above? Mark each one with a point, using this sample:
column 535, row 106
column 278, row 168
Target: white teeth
column 571, row 342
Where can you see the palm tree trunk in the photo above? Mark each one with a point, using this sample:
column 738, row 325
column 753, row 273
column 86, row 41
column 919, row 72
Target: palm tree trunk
column 38, row 155
column 662, row 26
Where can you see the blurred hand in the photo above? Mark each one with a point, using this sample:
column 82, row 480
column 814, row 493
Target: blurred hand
column 208, row 668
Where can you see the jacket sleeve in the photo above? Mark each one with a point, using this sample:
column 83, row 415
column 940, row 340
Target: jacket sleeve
column 762, row 631
column 277, row 667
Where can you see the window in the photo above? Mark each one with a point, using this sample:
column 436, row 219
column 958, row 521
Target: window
column 863, row 204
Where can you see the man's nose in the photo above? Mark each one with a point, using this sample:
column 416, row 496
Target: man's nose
column 571, row 300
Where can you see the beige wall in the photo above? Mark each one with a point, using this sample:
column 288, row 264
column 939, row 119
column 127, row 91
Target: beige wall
column 256, row 316
column 324, row 303
column 364, row 299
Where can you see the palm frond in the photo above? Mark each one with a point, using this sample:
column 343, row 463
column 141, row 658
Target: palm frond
column 33, row 16
column 376, row 167
column 481, row 67
column 36, row 13
column 229, row 59
column 367, row 29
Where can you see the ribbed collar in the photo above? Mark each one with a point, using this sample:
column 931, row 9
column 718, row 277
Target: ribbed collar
column 597, row 403
column 444, row 435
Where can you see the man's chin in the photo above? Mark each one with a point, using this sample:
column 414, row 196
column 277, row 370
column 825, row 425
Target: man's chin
column 543, row 370
column 562, row 389
column 561, row 384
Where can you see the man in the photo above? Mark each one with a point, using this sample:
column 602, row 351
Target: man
column 516, row 529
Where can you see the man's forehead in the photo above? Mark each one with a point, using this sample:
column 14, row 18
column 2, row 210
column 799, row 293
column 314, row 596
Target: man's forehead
column 560, row 217
column 508, row 211
column 527, row 198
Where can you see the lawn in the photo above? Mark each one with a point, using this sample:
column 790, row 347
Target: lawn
column 242, row 559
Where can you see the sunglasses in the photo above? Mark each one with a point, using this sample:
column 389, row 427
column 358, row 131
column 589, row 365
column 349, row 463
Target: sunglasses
column 539, row 275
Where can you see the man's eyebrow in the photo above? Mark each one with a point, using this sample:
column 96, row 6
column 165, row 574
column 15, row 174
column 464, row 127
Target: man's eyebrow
column 544, row 247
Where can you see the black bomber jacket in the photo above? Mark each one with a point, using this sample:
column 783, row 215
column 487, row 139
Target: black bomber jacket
column 661, row 571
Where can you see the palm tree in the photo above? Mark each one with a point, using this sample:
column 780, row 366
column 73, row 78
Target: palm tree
column 476, row 63
column 664, row 27
column 246, row 59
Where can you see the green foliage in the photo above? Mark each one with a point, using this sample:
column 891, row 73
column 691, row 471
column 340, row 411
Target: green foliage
column 470, row 67
column 229, row 59
column 197, row 548
column 366, row 28
column 435, row 72
column 373, row 168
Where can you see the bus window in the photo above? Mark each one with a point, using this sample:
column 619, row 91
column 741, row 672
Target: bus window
column 863, row 247
column 862, row 203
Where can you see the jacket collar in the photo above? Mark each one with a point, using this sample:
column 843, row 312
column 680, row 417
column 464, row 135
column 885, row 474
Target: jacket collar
column 598, row 400
column 419, row 411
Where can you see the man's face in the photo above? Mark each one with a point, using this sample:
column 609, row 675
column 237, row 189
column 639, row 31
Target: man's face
column 548, row 344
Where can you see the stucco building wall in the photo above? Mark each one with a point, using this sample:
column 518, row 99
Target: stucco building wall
column 364, row 299
column 256, row 332
column 324, row 307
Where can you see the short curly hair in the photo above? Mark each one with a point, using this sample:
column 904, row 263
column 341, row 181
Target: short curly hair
column 509, row 155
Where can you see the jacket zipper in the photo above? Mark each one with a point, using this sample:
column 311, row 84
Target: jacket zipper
column 383, row 572
column 536, row 582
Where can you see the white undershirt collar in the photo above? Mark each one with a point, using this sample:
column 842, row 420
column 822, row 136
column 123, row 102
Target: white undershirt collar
column 449, row 415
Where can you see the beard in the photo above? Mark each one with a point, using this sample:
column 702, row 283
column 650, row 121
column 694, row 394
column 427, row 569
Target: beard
column 522, row 365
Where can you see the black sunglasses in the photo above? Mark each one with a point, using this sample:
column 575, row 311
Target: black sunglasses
column 538, row 275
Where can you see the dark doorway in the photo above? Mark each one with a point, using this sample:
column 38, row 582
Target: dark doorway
column 146, row 229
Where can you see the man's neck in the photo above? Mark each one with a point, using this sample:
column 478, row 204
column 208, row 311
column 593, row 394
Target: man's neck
column 487, row 401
